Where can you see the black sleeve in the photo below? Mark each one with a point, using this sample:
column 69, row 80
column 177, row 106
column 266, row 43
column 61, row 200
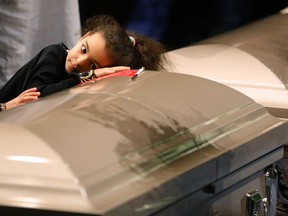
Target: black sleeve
column 48, row 89
column 49, row 74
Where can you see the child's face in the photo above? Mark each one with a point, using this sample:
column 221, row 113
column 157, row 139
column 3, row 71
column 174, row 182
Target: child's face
column 89, row 53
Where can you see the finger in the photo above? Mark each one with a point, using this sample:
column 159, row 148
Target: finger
column 27, row 99
column 119, row 68
column 24, row 97
column 34, row 89
column 31, row 94
column 109, row 70
column 29, row 90
column 103, row 71
column 32, row 98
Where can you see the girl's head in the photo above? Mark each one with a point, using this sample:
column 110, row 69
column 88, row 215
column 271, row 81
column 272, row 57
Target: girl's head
column 90, row 52
column 105, row 43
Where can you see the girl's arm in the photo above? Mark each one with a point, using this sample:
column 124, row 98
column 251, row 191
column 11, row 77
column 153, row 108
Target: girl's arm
column 25, row 97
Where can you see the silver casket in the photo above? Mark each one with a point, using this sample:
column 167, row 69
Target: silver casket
column 251, row 59
column 162, row 144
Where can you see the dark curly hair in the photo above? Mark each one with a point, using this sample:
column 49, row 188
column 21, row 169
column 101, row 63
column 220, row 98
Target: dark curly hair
column 143, row 52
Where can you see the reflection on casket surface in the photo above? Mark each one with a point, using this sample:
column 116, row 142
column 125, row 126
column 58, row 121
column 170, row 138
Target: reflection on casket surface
column 133, row 147
column 251, row 59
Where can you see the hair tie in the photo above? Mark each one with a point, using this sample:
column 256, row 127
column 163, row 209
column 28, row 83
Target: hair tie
column 133, row 40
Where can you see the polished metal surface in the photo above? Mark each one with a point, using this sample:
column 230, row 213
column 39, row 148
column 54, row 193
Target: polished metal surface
column 130, row 147
column 251, row 59
column 266, row 40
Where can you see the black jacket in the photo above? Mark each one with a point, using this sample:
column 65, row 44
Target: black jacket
column 46, row 71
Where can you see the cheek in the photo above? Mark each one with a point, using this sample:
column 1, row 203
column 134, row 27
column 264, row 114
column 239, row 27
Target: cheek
column 68, row 63
column 68, row 70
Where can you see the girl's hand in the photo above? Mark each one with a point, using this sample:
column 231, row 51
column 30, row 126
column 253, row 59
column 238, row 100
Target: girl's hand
column 109, row 70
column 26, row 96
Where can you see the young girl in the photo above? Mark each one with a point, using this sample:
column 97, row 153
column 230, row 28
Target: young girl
column 105, row 48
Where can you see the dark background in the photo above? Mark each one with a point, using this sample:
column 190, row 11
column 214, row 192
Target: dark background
column 182, row 22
